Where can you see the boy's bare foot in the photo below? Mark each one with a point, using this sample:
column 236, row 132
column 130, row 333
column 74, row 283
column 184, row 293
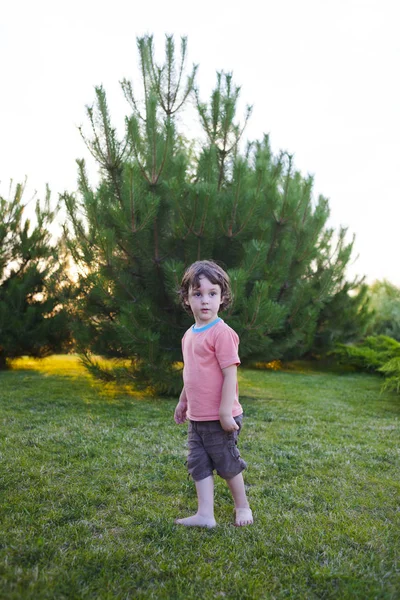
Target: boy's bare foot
column 197, row 521
column 244, row 516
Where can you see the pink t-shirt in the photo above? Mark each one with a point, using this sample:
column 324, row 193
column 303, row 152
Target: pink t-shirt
column 206, row 351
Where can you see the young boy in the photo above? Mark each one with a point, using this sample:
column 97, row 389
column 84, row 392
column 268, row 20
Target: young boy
column 209, row 398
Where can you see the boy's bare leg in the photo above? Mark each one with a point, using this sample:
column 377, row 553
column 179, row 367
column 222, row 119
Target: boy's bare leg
column 205, row 511
column 244, row 516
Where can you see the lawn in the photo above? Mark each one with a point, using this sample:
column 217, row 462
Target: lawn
column 92, row 478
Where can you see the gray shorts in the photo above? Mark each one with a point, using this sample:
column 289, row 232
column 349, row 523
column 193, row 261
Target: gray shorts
column 210, row 447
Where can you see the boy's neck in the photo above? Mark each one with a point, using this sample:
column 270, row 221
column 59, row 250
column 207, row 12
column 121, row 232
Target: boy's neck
column 200, row 327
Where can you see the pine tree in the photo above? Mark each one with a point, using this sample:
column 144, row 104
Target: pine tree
column 32, row 321
column 126, row 299
column 159, row 207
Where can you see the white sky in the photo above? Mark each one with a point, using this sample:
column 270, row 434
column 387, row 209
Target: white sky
column 323, row 77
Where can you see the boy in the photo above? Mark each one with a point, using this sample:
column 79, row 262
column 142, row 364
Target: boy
column 209, row 398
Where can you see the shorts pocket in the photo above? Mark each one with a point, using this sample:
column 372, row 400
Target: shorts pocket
column 232, row 444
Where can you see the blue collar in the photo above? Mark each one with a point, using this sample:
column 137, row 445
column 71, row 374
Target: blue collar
column 205, row 327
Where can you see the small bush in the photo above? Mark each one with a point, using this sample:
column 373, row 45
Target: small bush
column 391, row 369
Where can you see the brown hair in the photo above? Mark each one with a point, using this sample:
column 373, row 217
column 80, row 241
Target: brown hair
column 214, row 273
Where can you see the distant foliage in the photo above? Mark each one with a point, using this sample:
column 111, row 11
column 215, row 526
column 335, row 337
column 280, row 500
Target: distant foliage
column 385, row 302
column 32, row 320
column 376, row 354
column 345, row 318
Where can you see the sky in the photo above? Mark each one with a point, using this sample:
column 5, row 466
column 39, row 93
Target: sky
column 323, row 77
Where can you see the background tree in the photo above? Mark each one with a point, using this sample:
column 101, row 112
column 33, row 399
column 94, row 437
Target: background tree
column 122, row 233
column 158, row 207
column 31, row 319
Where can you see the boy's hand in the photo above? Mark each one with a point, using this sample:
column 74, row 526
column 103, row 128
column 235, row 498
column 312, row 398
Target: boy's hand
column 228, row 423
column 180, row 412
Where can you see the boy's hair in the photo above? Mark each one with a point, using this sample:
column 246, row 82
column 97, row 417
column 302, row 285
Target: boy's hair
column 214, row 273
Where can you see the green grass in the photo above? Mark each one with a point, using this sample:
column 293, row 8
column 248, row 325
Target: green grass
column 92, row 478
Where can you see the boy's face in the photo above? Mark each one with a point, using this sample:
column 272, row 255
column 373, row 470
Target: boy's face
column 204, row 301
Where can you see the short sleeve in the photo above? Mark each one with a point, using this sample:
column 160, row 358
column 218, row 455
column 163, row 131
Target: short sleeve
column 227, row 347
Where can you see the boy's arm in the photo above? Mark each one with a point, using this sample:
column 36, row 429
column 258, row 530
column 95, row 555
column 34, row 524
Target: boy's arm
column 181, row 408
column 228, row 423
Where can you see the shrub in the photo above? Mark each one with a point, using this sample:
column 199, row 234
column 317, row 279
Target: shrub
column 376, row 354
